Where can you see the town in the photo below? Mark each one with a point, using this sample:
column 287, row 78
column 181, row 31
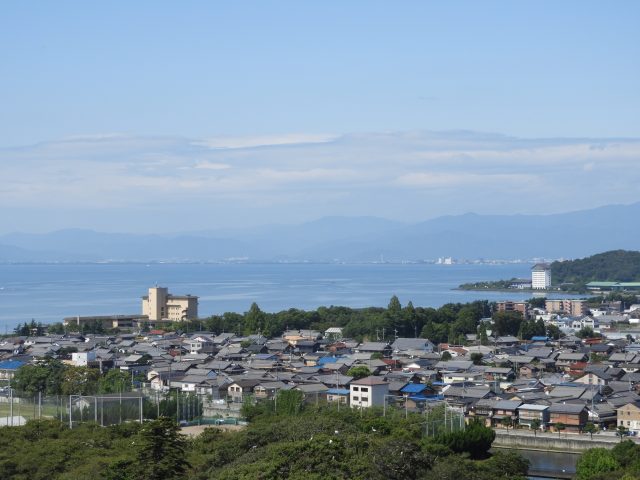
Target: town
column 574, row 369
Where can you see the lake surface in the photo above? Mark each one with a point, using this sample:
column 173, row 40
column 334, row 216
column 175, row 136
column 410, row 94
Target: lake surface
column 549, row 464
column 50, row 292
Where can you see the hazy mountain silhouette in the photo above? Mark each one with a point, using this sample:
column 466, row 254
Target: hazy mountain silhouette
column 471, row 236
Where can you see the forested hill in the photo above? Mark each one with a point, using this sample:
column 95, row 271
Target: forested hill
column 613, row 266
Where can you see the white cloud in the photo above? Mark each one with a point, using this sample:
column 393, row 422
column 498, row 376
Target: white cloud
column 448, row 180
column 229, row 142
column 406, row 174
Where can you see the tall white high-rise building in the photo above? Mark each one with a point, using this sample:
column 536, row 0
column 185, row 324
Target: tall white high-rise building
column 540, row 276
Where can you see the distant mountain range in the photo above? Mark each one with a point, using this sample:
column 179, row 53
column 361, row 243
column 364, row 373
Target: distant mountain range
column 351, row 239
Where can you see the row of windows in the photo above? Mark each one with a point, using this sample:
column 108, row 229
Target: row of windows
column 360, row 389
column 360, row 399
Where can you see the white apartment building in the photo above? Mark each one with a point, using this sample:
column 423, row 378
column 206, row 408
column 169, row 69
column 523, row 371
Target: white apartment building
column 82, row 359
column 540, row 276
column 368, row 392
column 161, row 305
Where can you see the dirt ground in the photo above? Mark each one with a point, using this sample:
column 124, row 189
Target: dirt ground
column 198, row 429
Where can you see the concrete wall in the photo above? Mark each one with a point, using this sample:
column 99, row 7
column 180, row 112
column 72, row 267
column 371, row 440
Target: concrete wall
column 566, row 442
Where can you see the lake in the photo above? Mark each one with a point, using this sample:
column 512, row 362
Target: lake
column 50, row 292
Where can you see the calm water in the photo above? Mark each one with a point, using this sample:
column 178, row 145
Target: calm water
column 48, row 293
column 549, row 463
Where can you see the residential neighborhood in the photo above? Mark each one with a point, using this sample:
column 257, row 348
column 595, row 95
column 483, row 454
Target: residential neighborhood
column 540, row 383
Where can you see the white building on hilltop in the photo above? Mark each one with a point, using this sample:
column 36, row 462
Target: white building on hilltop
column 540, row 276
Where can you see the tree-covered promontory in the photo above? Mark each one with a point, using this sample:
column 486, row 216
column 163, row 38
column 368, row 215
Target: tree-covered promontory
column 613, row 266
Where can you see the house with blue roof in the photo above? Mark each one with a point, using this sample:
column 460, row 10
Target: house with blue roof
column 338, row 396
column 8, row 368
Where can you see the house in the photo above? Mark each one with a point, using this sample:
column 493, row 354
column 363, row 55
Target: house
column 368, row 392
column 338, row 396
column 628, row 416
column 507, row 341
column 238, row 389
column 498, row 374
column 269, row 389
column 313, row 392
column 573, row 416
column 8, row 368
column 412, row 344
column 529, row 370
column 201, row 344
column 528, row 412
column 333, row 333
column 503, row 409
column 375, row 347
column 483, row 410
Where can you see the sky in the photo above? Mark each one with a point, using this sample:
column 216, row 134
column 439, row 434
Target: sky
column 165, row 116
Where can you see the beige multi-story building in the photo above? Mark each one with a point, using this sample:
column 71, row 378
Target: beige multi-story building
column 161, row 305
column 571, row 307
column 629, row 417
column 509, row 306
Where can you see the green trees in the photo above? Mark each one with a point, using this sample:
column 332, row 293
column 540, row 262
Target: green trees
column 45, row 377
column 475, row 439
column 484, row 339
column 621, row 431
column 535, row 426
column 615, row 266
column 476, row 358
column 289, row 402
column 507, row 323
column 595, row 462
column 586, row 332
column 160, row 451
column 553, row 331
column 358, row 372
column 114, row 381
column 560, row 427
column 590, row 428
column 507, row 422
column 79, row 381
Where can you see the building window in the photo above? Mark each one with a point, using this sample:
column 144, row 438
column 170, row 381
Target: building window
column 355, row 399
column 355, row 389
column 365, row 399
column 364, row 389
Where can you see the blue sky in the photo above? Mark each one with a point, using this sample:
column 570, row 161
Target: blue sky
column 236, row 75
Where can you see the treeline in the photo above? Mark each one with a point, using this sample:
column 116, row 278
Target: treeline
column 448, row 323
column 52, row 377
column 297, row 441
column 492, row 285
column 614, row 266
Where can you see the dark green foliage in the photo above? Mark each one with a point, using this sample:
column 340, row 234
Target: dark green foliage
column 507, row 323
column 531, row 328
column 537, row 302
column 475, row 440
column 291, row 441
column 507, row 465
column 448, row 323
column 46, row 377
column 613, row 266
column 160, row 451
column 586, row 332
